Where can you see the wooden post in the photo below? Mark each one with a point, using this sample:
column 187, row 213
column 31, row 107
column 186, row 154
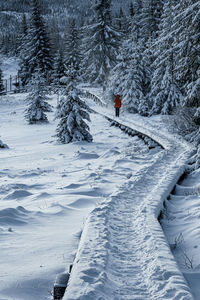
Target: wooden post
column 60, row 286
column 10, row 83
column 6, row 85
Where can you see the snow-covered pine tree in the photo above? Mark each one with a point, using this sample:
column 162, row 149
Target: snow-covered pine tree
column 38, row 52
column 1, row 83
column 135, row 79
column 130, row 77
column 37, row 100
column 73, row 47
column 72, row 112
column 22, row 41
column 58, row 68
column 165, row 93
column 100, row 44
column 120, row 22
column 188, row 49
column 150, row 19
column 131, row 9
column 116, row 78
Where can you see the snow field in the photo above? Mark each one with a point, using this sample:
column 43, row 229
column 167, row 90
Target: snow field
column 48, row 189
column 123, row 253
column 181, row 226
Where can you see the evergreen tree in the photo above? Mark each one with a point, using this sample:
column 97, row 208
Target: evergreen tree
column 22, row 41
column 121, row 23
column 101, row 44
column 165, row 93
column 73, row 47
column 187, row 50
column 134, row 80
column 38, row 52
column 131, row 9
column 58, row 68
column 72, row 111
column 1, row 83
column 150, row 19
column 116, row 79
column 130, row 77
column 37, row 100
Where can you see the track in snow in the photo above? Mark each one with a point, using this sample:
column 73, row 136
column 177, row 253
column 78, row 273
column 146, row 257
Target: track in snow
column 123, row 254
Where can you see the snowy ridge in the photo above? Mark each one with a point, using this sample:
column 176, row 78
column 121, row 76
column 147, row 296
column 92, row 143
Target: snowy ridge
column 123, row 253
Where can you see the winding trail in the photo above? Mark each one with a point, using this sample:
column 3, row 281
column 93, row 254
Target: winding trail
column 123, row 253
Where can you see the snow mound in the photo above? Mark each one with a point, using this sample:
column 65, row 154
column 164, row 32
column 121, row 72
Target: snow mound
column 111, row 152
column 85, row 155
column 14, row 216
column 18, row 194
column 82, row 202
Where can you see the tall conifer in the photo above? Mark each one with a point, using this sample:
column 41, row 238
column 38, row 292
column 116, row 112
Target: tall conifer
column 38, row 52
column 101, row 44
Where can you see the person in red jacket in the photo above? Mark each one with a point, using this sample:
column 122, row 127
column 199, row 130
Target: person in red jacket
column 118, row 104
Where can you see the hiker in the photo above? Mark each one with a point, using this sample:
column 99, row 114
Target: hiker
column 118, row 104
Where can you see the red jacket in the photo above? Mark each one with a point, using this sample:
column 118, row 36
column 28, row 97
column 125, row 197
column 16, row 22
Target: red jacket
column 117, row 101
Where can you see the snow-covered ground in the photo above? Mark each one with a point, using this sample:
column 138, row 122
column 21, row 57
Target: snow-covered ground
column 48, row 189
column 181, row 225
column 123, row 253
column 112, row 189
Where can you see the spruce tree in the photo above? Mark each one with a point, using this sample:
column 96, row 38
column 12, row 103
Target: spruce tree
column 37, row 100
column 150, row 19
column 188, row 49
column 58, row 68
column 38, row 53
column 131, row 9
column 72, row 111
column 121, row 23
column 101, row 44
column 134, row 79
column 73, row 47
column 116, row 79
column 165, row 93
column 22, row 48
column 130, row 77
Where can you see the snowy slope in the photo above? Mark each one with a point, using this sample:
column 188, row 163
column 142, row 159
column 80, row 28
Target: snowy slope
column 47, row 191
column 181, row 226
column 123, row 253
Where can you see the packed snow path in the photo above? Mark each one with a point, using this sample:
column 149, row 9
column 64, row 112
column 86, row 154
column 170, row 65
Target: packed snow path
column 123, row 254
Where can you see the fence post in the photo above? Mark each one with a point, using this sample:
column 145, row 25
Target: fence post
column 10, row 83
column 6, row 85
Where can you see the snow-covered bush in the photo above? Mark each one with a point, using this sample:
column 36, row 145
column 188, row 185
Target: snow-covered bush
column 37, row 100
